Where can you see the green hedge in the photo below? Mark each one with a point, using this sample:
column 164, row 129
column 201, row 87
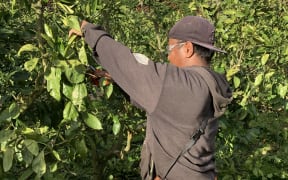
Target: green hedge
column 55, row 124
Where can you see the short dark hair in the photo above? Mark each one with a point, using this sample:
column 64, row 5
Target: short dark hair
column 203, row 52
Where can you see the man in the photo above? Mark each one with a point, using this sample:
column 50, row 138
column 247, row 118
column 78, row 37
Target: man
column 179, row 97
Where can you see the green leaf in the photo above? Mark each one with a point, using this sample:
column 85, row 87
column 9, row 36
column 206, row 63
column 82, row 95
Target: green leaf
column 245, row 99
column 285, row 18
column 56, row 155
column 67, row 91
column 31, row 64
column 71, row 63
column 27, row 47
column 67, row 48
column 264, row 59
column 109, row 90
column 27, row 131
column 92, row 121
column 70, row 112
column 53, row 167
column 242, row 114
column 39, row 164
column 14, row 110
column 32, row 146
column 5, row 135
column 53, row 83
column 5, row 115
column 232, row 71
column 82, row 55
column 72, row 22
column 81, row 147
column 48, row 40
column 66, row 9
column 75, row 75
column 282, row 90
column 27, row 156
column 236, row 81
column 8, row 155
column 116, row 125
column 26, row 174
column 13, row 3
column 258, row 79
column 78, row 93
column 48, row 31
column 269, row 75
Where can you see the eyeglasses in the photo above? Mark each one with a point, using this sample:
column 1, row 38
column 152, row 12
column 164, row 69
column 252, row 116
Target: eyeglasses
column 169, row 48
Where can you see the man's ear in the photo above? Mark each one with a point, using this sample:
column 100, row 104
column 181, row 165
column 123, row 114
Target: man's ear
column 189, row 49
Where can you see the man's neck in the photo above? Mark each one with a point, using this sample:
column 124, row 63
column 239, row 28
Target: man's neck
column 195, row 61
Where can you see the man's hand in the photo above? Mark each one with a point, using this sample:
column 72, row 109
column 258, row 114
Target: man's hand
column 76, row 32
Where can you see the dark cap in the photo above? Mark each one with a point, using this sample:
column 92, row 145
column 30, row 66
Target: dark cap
column 196, row 30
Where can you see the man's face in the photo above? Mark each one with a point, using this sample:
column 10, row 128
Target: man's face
column 176, row 54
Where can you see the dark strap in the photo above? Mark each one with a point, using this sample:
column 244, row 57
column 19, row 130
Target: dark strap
column 211, row 83
column 189, row 145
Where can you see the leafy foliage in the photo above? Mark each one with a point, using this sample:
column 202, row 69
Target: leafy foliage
column 58, row 124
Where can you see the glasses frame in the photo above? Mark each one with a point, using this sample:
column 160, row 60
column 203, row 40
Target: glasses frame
column 169, row 48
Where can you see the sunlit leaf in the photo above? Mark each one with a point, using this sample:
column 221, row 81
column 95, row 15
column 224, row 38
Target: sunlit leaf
column 236, row 81
column 71, row 63
column 245, row 99
column 48, row 31
column 282, row 90
column 14, row 110
column 42, row 130
column 116, row 125
column 285, row 18
column 66, row 9
column 109, row 90
column 76, row 74
column 13, row 3
column 70, row 112
column 269, row 75
column 53, row 83
column 31, row 64
column 39, row 164
column 27, row 131
column 56, row 155
column 67, row 48
column 48, row 40
column 82, row 55
column 67, row 91
column 27, row 47
column 232, row 71
column 8, row 155
column 78, row 93
column 72, row 22
column 264, row 59
column 258, row 79
column 53, row 167
column 129, row 138
column 92, row 121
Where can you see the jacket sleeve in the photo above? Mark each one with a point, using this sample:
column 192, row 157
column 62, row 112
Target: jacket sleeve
column 139, row 77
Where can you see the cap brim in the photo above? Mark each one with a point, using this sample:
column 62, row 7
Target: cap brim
column 208, row 46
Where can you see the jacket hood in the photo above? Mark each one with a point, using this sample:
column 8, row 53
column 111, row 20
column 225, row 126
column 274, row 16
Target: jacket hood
column 221, row 93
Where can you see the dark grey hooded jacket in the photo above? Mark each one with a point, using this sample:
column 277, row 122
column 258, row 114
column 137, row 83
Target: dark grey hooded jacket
column 176, row 100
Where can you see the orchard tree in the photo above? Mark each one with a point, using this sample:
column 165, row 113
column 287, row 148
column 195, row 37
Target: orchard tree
column 62, row 117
